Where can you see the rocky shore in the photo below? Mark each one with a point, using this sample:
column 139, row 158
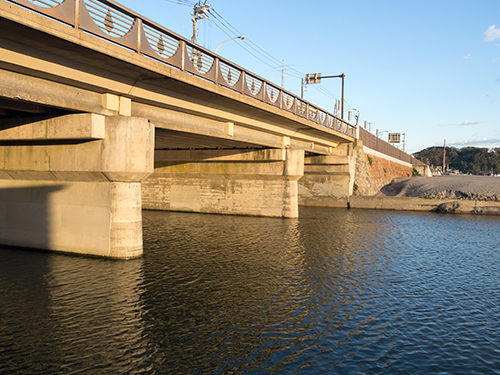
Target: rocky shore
column 447, row 194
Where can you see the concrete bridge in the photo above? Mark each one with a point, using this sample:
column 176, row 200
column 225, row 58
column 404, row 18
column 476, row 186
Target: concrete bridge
column 104, row 113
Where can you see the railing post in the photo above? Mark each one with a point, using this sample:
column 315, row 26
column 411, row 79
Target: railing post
column 139, row 33
column 183, row 55
column 243, row 83
column 77, row 14
column 264, row 91
column 216, row 66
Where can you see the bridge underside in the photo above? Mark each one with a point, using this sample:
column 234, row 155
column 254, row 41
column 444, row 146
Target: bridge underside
column 77, row 183
column 90, row 136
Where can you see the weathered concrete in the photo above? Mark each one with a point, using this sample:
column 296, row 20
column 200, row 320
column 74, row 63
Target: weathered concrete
column 80, row 126
column 48, row 63
column 82, row 197
column 241, row 182
column 328, row 177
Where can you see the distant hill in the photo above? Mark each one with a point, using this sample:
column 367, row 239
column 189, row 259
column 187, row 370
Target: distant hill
column 474, row 160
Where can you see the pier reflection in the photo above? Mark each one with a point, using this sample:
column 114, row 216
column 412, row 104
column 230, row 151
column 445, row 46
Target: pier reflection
column 96, row 306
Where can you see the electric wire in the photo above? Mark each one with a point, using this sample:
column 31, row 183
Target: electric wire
column 253, row 49
column 181, row 2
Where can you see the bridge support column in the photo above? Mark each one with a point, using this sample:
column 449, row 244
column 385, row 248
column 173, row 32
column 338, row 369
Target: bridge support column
column 329, row 180
column 73, row 184
column 238, row 182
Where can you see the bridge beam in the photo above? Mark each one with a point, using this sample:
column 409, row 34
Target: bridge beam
column 238, row 182
column 73, row 184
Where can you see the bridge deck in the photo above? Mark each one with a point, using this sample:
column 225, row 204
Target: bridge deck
column 80, row 64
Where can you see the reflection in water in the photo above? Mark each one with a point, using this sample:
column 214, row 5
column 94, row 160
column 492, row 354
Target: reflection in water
column 335, row 291
column 66, row 314
column 100, row 299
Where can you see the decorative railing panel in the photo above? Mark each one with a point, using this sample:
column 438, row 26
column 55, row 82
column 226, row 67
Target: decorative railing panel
column 273, row 95
column 162, row 44
column 253, row 87
column 288, row 102
column 61, row 10
column 230, row 76
column 110, row 20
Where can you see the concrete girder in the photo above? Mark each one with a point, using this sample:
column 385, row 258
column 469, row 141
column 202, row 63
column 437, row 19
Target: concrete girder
column 72, row 57
column 81, row 126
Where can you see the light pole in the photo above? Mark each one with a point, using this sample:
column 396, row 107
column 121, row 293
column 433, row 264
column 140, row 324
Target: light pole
column 236, row 37
column 380, row 132
column 356, row 115
column 369, row 124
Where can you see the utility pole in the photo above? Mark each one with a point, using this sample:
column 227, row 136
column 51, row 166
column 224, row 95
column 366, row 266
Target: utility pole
column 444, row 154
column 199, row 12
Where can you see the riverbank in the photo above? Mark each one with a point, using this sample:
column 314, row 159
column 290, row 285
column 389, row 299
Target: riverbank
column 444, row 194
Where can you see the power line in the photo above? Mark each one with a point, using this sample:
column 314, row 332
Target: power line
column 181, row 2
column 232, row 30
column 252, row 48
column 255, row 46
column 265, row 57
column 242, row 46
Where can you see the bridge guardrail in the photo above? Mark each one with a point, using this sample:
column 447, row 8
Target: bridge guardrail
column 111, row 21
column 377, row 144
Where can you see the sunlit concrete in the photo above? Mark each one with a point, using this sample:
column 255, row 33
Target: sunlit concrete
column 242, row 182
column 82, row 197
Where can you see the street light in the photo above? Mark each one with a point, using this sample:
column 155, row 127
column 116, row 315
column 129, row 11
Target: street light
column 236, row 37
column 356, row 115
column 379, row 133
column 369, row 124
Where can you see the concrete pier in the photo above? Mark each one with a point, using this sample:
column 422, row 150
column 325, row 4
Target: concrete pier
column 72, row 184
column 328, row 180
column 238, row 182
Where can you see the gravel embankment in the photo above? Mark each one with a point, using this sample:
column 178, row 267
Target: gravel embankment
column 477, row 188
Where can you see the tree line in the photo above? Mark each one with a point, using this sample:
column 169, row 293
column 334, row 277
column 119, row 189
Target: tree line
column 475, row 160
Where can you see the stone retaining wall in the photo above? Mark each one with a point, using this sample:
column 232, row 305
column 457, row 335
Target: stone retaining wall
column 374, row 170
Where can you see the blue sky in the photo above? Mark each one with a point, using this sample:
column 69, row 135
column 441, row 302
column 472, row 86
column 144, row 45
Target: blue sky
column 430, row 69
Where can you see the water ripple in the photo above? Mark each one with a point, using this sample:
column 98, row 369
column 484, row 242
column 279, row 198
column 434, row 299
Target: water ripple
column 335, row 291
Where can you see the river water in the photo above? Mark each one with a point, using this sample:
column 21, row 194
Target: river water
column 336, row 291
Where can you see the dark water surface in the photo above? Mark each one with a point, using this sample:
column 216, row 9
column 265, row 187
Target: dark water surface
column 335, row 291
